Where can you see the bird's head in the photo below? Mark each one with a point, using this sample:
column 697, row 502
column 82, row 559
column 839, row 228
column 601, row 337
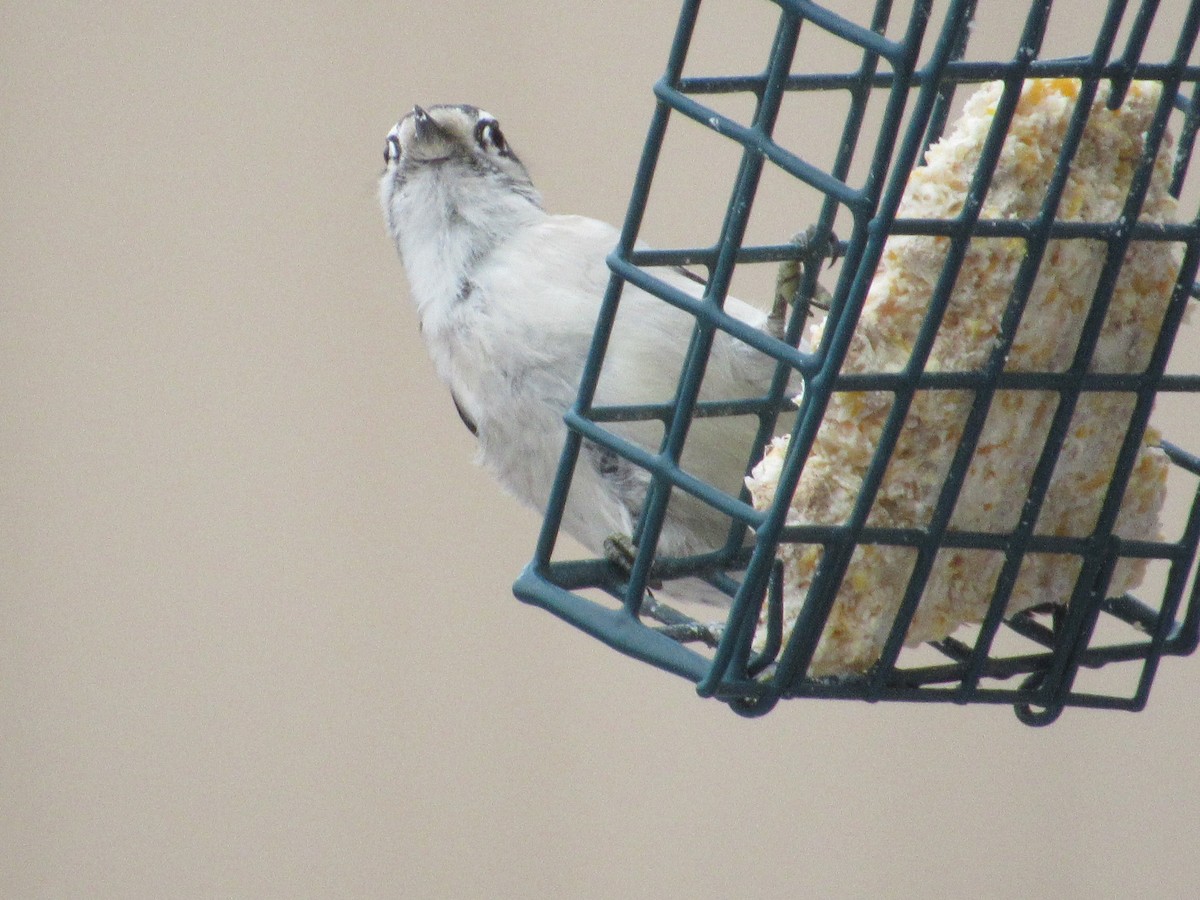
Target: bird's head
column 451, row 163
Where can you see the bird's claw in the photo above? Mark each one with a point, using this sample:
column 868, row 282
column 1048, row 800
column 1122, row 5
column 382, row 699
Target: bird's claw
column 621, row 553
column 693, row 632
column 787, row 282
column 681, row 627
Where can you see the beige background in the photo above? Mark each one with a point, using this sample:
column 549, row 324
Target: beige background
column 257, row 638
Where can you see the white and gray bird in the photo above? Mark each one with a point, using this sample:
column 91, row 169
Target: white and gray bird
column 508, row 296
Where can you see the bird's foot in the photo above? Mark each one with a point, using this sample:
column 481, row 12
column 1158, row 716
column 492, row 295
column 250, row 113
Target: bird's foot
column 621, row 553
column 787, row 281
column 679, row 626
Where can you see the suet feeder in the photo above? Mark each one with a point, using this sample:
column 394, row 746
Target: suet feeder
column 1083, row 641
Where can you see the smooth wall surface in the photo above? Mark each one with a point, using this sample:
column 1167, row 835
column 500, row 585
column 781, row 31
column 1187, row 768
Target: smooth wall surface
column 256, row 633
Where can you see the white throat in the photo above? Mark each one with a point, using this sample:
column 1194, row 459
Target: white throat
column 444, row 226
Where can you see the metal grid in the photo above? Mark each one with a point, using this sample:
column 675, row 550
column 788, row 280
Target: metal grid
column 915, row 62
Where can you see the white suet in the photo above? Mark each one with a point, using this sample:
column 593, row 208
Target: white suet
column 961, row 583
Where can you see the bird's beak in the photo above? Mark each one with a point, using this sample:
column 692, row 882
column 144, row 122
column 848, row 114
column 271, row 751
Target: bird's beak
column 422, row 120
column 430, row 141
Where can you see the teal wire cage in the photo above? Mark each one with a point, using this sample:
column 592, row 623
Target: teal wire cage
column 908, row 60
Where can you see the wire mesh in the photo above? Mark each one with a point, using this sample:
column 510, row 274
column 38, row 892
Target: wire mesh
column 899, row 93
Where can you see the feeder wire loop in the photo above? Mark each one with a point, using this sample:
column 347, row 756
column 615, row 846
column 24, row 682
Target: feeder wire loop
column 907, row 71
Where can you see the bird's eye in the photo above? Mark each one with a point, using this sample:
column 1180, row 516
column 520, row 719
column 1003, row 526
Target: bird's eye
column 489, row 136
column 391, row 150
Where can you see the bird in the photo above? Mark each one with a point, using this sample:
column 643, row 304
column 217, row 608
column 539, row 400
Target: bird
column 507, row 295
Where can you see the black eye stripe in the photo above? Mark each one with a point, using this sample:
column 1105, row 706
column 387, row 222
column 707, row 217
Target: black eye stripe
column 391, row 150
column 488, row 134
